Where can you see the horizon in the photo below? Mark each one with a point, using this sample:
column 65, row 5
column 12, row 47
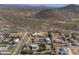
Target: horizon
column 48, row 5
column 37, row 5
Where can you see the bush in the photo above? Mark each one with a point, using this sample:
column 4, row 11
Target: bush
column 25, row 51
column 41, row 48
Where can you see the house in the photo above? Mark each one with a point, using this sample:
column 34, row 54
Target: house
column 16, row 40
column 2, row 37
column 5, row 53
column 62, row 51
column 34, row 47
column 59, row 41
column 33, row 34
column 45, row 40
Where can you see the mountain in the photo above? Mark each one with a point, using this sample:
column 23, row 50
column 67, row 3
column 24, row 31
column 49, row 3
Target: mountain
column 30, row 18
column 71, row 6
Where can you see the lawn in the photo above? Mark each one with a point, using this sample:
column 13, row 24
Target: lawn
column 3, row 45
column 11, row 47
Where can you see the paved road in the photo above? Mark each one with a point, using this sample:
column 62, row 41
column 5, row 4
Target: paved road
column 24, row 42
column 19, row 45
column 53, row 50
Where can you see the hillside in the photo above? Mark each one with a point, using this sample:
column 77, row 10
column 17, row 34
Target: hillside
column 36, row 19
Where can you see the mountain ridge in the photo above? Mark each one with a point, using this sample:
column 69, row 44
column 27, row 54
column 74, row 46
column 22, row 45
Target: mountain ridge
column 32, row 19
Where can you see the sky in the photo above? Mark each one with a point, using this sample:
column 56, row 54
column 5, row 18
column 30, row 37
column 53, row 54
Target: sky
column 49, row 5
